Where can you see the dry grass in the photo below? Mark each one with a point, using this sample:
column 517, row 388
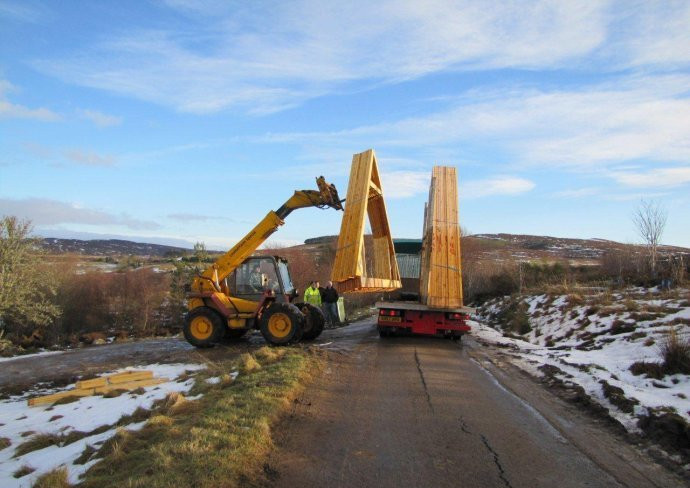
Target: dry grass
column 66, row 400
column 269, row 354
column 23, row 471
column 57, row 478
column 676, row 353
column 248, row 364
column 223, row 442
column 4, row 443
column 41, row 441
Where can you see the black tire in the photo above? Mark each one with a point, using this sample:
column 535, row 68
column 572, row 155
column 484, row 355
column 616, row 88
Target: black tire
column 203, row 327
column 384, row 332
column 314, row 321
column 282, row 323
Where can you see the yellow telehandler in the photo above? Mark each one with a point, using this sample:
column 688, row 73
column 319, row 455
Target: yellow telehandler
column 240, row 292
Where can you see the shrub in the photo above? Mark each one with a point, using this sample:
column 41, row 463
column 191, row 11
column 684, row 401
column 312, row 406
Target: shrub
column 651, row 369
column 675, row 352
column 513, row 317
column 58, row 478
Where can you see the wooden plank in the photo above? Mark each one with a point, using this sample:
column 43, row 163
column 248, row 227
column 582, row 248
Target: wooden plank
column 52, row 398
column 128, row 376
column 102, row 381
column 131, row 385
column 128, row 380
column 365, row 199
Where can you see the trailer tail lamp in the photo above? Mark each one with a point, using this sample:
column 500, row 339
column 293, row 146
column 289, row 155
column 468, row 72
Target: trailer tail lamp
column 387, row 315
column 390, row 313
column 457, row 316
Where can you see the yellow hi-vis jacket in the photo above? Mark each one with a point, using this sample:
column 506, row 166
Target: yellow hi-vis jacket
column 313, row 296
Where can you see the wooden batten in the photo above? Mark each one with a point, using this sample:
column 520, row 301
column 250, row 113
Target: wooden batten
column 365, row 199
column 441, row 272
column 129, row 380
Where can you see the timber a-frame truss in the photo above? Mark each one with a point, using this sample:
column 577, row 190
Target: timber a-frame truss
column 365, row 197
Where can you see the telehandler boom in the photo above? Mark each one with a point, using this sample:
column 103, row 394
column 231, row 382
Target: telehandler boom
column 239, row 292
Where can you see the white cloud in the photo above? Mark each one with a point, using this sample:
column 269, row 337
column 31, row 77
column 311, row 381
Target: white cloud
column 43, row 211
column 23, row 11
column 403, row 184
column 500, row 185
column 653, row 32
column 89, row 158
column 99, row 118
column 655, row 178
column 269, row 57
column 640, row 118
column 9, row 110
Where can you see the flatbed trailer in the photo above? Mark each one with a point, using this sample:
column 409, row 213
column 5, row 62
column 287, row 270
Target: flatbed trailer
column 412, row 317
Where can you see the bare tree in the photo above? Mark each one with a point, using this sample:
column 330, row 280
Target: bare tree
column 650, row 220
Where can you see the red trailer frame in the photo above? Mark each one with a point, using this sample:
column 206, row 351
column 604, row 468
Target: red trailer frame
column 415, row 318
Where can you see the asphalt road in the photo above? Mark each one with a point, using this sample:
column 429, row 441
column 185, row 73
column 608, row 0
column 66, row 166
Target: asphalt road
column 420, row 412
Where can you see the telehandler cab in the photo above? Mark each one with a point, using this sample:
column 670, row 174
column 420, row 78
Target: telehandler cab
column 240, row 292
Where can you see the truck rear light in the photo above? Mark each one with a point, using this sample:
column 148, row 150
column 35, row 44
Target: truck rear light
column 389, row 313
column 457, row 316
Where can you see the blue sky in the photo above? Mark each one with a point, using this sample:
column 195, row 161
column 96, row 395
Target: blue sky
column 179, row 120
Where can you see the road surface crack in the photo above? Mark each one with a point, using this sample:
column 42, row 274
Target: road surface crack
column 497, row 461
column 421, row 375
column 501, row 472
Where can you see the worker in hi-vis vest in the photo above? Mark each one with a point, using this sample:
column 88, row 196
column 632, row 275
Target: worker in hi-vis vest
column 312, row 294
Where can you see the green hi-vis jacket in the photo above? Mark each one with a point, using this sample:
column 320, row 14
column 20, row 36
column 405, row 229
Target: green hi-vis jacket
column 313, row 296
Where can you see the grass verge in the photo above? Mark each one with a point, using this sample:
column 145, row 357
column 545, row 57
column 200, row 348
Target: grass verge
column 221, row 439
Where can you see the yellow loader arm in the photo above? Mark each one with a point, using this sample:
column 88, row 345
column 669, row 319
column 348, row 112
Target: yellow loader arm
column 209, row 280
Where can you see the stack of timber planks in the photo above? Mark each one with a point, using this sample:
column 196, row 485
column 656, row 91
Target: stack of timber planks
column 129, row 380
column 441, row 274
column 365, row 198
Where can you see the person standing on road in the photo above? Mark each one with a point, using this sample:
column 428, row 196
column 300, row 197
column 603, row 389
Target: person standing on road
column 312, row 295
column 330, row 304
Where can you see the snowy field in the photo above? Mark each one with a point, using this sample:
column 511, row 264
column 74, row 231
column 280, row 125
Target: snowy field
column 594, row 339
column 95, row 416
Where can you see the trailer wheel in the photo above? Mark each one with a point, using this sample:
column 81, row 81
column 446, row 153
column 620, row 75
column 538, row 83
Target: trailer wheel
column 282, row 323
column 203, row 327
column 314, row 321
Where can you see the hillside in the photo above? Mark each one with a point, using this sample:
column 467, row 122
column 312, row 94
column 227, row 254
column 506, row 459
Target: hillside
column 108, row 247
column 488, row 246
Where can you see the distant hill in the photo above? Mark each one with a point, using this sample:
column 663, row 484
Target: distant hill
column 108, row 247
column 490, row 246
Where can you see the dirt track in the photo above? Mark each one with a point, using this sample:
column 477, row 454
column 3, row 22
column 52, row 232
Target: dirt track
column 424, row 412
column 66, row 367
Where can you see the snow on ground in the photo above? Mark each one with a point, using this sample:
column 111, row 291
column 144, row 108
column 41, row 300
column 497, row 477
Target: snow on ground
column 42, row 353
column 597, row 337
column 19, row 423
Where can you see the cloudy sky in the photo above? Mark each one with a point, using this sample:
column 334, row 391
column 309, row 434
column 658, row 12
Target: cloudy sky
column 184, row 120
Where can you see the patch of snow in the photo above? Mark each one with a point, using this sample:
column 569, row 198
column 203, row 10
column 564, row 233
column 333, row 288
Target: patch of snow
column 599, row 341
column 86, row 414
column 34, row 355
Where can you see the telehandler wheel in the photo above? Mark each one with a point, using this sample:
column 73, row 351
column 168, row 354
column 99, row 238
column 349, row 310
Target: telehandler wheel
column 282, row 323
column 314, row 321
column 203, row 327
